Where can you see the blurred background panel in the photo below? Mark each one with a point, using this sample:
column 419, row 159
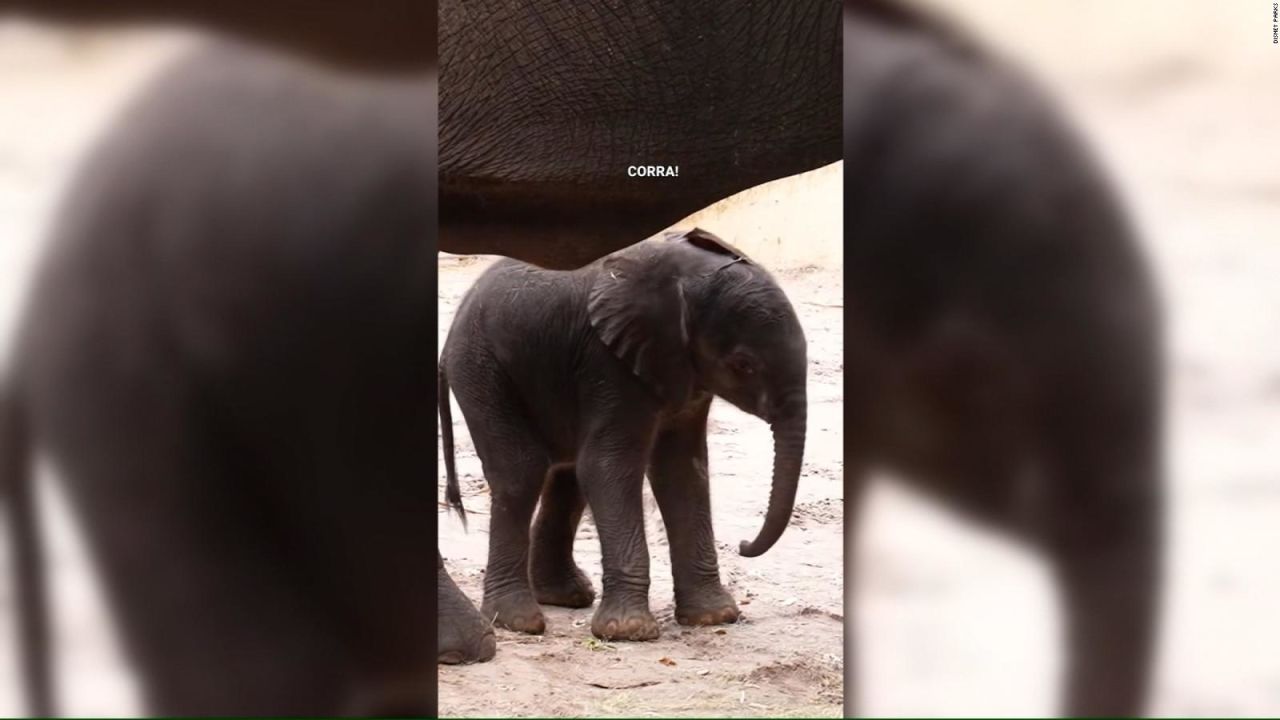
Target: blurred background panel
column 387, row 36
column 66, row 69
column 1180, row 100
column 58, row 89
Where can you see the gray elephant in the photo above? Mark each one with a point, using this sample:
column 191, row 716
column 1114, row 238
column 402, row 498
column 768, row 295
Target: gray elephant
column 227, row 357
column 573, row 384
column 1002, row 334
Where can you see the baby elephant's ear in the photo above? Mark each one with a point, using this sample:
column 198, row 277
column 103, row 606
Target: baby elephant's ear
column 710, row 242
column 637, row 308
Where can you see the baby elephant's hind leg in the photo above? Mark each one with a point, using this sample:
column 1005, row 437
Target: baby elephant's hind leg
column 515, row 465
column 556, row 578
column 514, row 475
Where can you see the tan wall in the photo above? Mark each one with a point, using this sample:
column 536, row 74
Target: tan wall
column 789, row 223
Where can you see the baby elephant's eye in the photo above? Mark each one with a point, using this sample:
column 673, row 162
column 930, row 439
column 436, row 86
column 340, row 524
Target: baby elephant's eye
column 742, row 364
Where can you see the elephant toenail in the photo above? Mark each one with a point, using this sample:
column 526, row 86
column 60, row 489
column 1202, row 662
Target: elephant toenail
column 488, row 648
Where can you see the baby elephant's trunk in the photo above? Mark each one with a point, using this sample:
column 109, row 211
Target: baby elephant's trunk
column 788, row 455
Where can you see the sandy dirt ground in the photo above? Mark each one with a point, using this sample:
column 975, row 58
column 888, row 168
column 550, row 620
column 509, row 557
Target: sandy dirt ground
column 783, row 658
column 1182, row 100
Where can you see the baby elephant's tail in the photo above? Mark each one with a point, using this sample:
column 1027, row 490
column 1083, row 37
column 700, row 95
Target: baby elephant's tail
column 452, row 494
column 17, row 497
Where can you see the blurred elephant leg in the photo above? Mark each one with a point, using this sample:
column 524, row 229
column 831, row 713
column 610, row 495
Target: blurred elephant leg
column 678, row 474
column 1109, row 584
column 208, row 605
column 227, row 623
column 508, row 598
column 464, row 636
column 556, row 578
column 855, row 491
column 1107, row 555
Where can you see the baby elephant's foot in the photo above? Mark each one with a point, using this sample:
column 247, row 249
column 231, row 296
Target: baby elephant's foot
column 519, row 612
column 624, row 620
column 567, row 588
column 711, row 605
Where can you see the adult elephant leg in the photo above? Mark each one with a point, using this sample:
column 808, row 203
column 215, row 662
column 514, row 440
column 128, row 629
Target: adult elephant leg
column 209, row 609
column 463, row 635
column 611, row 470
column 556, row 578
column 678, row 473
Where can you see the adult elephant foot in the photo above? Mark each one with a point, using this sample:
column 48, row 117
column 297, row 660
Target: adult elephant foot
column 628, row 619
column 707, row 605
column 463, row 634
column 518, row 611
column 458, row 650
column 565, row 587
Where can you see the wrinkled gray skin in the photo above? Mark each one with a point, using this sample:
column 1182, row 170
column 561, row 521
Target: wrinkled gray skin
column 543, row 105
column 1003, row 335
column 227, row 358
column 574, row 384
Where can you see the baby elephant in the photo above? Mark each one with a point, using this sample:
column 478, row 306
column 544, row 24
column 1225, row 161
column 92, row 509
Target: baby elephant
column 574, row 384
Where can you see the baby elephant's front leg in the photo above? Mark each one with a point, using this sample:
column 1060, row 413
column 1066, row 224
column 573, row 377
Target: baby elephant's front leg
column 678, row 475
column 612, row 480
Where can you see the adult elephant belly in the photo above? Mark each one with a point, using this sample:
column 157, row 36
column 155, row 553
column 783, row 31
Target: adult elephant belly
column 545, row 116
